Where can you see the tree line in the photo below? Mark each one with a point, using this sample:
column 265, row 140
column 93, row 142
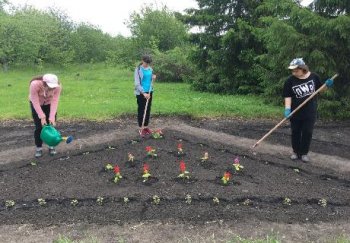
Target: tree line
column 239, row 46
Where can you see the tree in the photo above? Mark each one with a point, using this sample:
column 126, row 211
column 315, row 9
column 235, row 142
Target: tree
column 331, row 7
column 156, row 29
column 226, row 45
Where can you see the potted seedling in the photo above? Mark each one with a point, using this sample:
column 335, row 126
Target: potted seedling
column 151, row 152
column 117, row 175
column 157, row 134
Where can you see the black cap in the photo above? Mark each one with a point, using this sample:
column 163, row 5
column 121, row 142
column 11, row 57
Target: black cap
column 147, row 58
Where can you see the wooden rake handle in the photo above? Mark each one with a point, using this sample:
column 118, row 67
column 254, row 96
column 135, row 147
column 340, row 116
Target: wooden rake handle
column 146, row 107
column 298, row 108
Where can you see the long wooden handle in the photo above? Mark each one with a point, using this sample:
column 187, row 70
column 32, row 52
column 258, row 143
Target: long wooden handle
column 298, row 108
column 146, row 106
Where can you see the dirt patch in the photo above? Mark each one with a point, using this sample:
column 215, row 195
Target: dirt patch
column 270, row 188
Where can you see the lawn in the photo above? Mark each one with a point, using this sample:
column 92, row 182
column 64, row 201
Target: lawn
column 99, row 92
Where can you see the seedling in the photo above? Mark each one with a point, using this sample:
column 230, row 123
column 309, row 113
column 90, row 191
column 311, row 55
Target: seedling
column 216, row 200
column 41, row 202
column 287, row 201
column 9, row 203
column 188, row 199
column 205, row 157
column 296, row 170
column 157, row 134
column 33, row 163
column 184, row 173
column 156, row 199
column 130, row 158
column 99, row 200
column 322, row 202
column 151, row 152
column 146, row 175
column 117, row 175
column 108, row 167
column 126, row 200
column 180, row 150
column 226, row 178
column 236, row 165
column 74, row 202
column 247, row 202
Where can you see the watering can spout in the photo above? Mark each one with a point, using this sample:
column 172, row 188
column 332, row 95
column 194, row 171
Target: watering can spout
column 52, row 137
column 68, row 139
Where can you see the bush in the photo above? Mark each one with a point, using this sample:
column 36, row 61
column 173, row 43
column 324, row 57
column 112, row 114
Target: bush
column 173, row 65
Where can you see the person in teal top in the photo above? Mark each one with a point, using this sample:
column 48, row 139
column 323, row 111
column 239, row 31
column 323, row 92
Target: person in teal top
column 143, row 78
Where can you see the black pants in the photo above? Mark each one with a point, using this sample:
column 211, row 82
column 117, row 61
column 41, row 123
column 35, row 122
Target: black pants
column 141, row 104
column 37, row 122
column 302, row 135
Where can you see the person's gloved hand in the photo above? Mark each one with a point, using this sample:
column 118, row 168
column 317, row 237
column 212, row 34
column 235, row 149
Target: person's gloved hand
column 329, row 83
column 287, row 112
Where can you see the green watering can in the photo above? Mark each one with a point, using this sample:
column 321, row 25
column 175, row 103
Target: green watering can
column 52, row 137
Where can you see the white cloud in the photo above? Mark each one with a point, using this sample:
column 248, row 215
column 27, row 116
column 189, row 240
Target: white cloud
column 108, row 15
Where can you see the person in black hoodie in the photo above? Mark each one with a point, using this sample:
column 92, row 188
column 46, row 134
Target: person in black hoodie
column 297, row 88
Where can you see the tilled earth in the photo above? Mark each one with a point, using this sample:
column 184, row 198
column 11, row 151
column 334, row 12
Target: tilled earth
column 270, row 187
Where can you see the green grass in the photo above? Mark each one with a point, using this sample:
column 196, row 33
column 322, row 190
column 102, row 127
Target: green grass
column 98, row 92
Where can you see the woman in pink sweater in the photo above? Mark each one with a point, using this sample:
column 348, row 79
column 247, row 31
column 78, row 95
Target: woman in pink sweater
column 44, row 93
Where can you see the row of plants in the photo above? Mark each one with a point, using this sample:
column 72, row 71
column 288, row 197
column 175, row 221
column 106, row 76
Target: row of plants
column 155, row 199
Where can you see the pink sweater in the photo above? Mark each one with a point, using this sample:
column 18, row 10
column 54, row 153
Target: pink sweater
column 40, row 95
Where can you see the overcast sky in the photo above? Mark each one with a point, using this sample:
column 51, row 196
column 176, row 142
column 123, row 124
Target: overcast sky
column 108, row 15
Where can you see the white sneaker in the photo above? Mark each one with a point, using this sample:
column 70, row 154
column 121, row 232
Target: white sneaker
column 294, row 156
column 305, row 158
column 52, row 151
column 38, row 152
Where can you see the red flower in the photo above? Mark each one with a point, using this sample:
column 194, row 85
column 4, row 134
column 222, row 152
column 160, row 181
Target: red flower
column 145, row 168
column 179, row 146
column 227, row 175
column 116, row 169
column 148, row 148
column 182, row 166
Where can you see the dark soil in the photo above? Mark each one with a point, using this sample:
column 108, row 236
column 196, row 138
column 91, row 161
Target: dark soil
column 266, row 181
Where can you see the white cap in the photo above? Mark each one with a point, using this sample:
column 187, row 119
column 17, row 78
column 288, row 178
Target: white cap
column 297, row 62
column 51, row 80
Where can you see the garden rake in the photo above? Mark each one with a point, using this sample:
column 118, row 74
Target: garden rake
column 146, row 107
column 291, row 114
